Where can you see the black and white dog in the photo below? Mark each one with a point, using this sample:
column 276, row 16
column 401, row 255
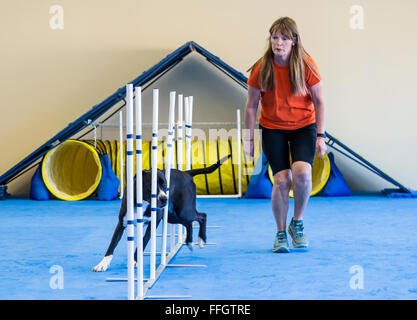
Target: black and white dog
column 181, row 207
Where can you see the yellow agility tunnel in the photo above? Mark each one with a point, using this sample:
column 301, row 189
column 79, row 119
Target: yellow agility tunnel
column 72, row 170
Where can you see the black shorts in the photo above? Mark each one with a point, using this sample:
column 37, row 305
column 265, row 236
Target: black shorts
column 277, row 145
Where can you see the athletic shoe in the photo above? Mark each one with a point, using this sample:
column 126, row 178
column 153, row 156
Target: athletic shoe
column 296, row 231
column 281, row 243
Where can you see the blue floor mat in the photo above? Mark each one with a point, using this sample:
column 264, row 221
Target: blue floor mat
column 370, row 232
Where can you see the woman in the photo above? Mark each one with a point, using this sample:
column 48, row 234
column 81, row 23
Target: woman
column 292, row 120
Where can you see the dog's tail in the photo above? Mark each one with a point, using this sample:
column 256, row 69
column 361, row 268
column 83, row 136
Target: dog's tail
column 212, row 168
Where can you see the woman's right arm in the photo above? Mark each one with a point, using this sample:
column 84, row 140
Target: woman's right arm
column 252, row 103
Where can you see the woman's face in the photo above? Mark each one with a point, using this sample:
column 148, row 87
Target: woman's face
column 281, row 45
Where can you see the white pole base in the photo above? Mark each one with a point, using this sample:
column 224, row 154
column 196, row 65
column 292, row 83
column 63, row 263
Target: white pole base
column 121, row 279
column 167, row 297
column 186, row 265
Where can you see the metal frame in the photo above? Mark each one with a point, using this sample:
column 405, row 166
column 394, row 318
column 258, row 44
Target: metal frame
column 332, row 141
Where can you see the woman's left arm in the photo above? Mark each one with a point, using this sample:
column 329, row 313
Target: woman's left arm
column 319, row 105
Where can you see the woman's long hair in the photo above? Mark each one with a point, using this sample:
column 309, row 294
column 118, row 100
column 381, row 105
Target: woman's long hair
column 298, row 57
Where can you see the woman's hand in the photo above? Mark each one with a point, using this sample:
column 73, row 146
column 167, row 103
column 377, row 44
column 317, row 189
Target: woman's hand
column 250, row 119
column 248, row 149
column 321, row 147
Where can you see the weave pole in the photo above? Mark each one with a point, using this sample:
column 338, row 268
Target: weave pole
column 180, row 166
column 168, row 166
column 172, row 226
column 180, row 133
column 188, row 127
column 239, row 152
column 139, row 193
column 121, row 153
column 129, row 195
column 154, row 182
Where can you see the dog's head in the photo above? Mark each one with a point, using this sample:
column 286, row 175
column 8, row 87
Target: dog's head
column 161, row 189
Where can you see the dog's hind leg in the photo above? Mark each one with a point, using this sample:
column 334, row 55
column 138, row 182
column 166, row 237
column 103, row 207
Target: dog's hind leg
column 189, row 237
column 202, row 236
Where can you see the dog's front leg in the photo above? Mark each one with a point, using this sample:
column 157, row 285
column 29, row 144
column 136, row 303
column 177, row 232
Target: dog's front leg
column 105, row 263
column 147, row 235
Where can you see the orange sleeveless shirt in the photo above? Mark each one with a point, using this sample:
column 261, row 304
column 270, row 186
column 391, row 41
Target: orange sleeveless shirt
column 281, row 109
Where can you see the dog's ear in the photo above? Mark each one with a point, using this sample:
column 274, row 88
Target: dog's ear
column 161, row 172
column 161, row 177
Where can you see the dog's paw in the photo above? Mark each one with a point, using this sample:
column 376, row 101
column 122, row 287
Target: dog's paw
column 103, row 265
column 201, row 243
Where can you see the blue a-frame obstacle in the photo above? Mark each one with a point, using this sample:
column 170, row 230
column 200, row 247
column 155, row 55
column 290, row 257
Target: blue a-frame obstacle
column 150, row 76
